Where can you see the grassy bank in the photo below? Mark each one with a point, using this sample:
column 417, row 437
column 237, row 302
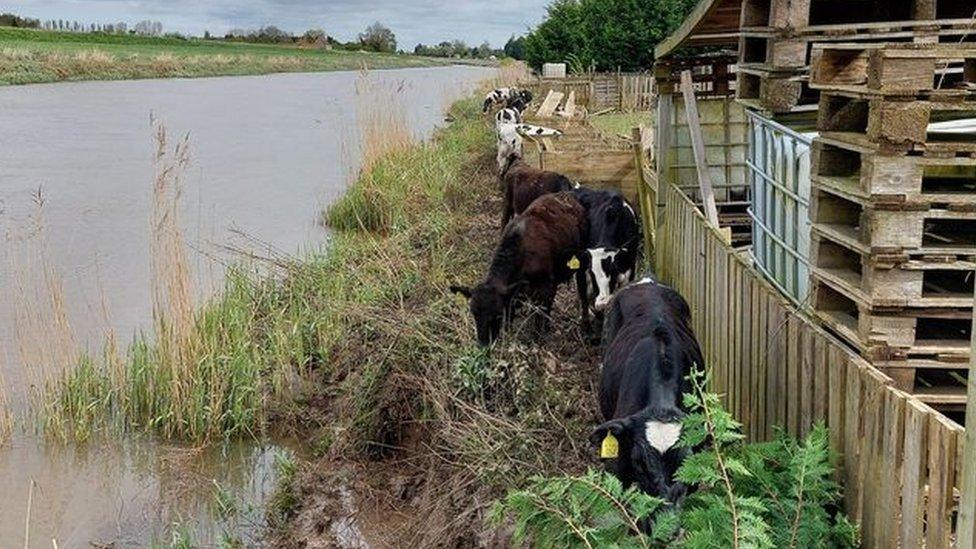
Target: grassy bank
column 360, row 350
column 31, row 56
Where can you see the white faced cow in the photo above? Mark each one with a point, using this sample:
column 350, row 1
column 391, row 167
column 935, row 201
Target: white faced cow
column 649, row 349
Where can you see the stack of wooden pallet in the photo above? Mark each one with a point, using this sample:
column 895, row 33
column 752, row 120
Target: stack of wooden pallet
column 893, row 208
column 777, row 38
column 772, row 55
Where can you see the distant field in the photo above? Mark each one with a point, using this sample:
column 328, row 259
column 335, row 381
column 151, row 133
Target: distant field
column 30, row 56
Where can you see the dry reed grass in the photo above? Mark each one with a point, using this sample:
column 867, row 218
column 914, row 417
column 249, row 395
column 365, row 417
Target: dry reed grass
column 46, row 342
column 171, row 280
column 166, row 64
column 381, row 117
column 510, row 73
column 6, row 414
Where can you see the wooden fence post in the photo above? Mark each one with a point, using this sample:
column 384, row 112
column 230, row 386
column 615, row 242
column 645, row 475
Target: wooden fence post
column 647, row 196
column 966, row 528
column 698, row 148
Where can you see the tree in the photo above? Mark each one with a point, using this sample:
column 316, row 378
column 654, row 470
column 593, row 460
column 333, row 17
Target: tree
column 515, row 47
column 606, row 33
column 311, row 35
column 378, row 37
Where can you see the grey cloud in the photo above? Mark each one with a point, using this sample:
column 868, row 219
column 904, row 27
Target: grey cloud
column 413, row 21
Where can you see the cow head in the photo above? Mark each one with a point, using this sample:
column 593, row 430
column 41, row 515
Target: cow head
column 648, row 453
column 489, row 304
column 605, row 272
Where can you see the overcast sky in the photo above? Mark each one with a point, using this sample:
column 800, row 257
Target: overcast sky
column 413, row 21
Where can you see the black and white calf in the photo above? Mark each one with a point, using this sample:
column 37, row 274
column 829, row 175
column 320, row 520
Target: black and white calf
column 613, row 243
column 508, row 116
column 509, row 97
column 497, row 96
column 509, row 140
column 649, row 348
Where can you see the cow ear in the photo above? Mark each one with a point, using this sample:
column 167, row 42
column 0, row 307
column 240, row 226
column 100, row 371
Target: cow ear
column 463, row 290
column 617, row 427
column 578, row 260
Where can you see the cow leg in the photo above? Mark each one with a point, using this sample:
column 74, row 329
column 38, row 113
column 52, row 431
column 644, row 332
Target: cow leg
column 546, row 296
column 581, row 291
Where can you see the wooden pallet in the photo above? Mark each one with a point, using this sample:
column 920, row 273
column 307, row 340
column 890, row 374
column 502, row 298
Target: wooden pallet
column 898, row 125
column 772, row 51
column 896, row 69
column 874, row 229
column 907, row 344
column 916, row 181
column 860, row 142
column 772, row 91
column 914, row 284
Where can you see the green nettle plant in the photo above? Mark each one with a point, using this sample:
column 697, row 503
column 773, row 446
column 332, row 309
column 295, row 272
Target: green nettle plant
column 763, row 495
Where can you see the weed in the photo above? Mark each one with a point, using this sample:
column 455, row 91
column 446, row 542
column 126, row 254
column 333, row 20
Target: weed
column 284, row 499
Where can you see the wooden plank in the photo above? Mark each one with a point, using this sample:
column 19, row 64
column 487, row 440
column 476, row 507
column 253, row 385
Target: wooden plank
column 698, row 147
column 889, row 508
column 871, row 418
column 853, row 406
column 645, row 203
column 913, row 474
column 791, row 375
column 966, row 532
column 942, row 473
column 821, row 391
column 806, row 380
column 836, row 403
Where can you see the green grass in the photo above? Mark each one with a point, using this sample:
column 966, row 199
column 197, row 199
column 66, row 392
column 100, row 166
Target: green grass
column 31, row 56
column 621, row 123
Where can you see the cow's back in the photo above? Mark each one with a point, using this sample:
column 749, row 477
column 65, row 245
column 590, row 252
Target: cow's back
column 640, row 317
column 554, row 226
column 525, row 184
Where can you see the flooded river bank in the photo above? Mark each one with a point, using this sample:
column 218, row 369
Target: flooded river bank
column 268, row 153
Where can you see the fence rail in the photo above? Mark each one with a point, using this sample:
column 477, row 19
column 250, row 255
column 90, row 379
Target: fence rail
column 899, row 459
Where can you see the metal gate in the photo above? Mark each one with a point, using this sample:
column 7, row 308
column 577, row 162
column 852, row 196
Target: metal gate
column 779, row 174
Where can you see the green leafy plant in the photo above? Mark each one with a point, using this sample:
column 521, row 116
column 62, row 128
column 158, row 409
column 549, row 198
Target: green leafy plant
column 592, row 510
column 763, row 495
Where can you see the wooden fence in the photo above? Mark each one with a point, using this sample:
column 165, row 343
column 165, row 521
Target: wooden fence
column 597, row 91
column 899, row 459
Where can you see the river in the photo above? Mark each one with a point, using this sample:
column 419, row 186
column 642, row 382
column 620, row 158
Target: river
column 268, row 153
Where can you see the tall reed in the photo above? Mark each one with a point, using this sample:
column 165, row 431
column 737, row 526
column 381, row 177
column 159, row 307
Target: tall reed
column 6, row 414
column 383, row 135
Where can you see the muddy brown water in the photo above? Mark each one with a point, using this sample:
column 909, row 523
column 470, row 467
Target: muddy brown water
column 268, row 152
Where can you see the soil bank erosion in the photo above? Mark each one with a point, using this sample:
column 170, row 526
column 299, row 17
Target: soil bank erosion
column 415, row 430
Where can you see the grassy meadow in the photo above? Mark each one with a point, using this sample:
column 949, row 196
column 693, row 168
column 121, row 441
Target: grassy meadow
column 31, row 56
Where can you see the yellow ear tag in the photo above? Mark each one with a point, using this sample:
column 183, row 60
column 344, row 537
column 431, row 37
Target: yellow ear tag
column 609, row 448
column 574, row 263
